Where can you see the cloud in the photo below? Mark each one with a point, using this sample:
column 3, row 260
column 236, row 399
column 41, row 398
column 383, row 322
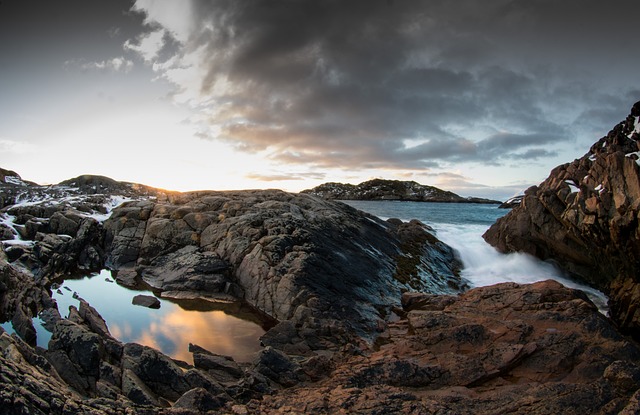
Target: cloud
column 279, row 177
column 380, row 84
column 16, row 147
column 466, row 186
column 117, row 64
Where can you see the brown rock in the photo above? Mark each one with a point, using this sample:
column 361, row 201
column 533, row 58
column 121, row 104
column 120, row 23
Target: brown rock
column 593, row 233
column 508, row 348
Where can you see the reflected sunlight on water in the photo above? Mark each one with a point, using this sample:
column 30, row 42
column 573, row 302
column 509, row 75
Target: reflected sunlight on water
column 171, row 328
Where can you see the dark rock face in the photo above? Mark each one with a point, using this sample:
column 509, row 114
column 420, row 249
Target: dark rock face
column 20, row 300
column 323, row 265
column 379, row 189
column 584, row 217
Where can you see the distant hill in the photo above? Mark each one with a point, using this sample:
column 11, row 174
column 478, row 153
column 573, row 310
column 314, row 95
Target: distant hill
column 380, row 189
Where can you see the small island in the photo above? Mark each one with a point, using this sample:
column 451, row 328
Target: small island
column 381, row 189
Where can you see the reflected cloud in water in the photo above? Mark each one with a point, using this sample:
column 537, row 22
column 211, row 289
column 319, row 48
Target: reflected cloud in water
column 171, row 328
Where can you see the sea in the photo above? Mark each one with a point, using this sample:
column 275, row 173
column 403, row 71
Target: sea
column 230, row 330
column 461, row 226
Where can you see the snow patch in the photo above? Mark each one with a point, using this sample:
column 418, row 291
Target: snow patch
column 637, row 154
column 14, row 242
column 592, row 157
column 14, row 180
column 636, row 128
column 572, row 186
column 110, row 205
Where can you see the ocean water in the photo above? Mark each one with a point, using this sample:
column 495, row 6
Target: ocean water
column 461, row 225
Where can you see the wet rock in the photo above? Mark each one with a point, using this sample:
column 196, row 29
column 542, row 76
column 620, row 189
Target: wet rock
column 50, row 317
column 127, row 278
column 146, row 301
column 23, row 325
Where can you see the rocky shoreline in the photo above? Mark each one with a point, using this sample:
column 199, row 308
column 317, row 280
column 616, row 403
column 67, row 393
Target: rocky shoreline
column 585, row 218
column 369, row 316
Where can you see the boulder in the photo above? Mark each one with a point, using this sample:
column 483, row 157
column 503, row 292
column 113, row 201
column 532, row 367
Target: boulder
column 148, row 301
column 200, row 400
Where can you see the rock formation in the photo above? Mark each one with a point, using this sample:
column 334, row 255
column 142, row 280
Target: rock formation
column 322, row 265
column 537, row 349
column 523, row 349
column 379, row 189
column 357, row 327
column 584, row 217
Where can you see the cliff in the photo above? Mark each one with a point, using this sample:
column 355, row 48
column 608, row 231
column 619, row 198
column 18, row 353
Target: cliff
column 584, row 217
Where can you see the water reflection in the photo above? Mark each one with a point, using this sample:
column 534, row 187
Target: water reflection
column 171, row 328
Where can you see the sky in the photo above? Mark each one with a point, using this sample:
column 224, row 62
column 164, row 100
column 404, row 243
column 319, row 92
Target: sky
column 480, row 97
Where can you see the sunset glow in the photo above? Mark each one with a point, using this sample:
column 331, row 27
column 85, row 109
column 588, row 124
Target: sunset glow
column 481, row 98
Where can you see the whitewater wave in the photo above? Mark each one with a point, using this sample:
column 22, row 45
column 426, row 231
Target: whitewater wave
column 484, row 265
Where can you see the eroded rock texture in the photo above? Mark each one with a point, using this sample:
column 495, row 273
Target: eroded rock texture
column 326, row 267
column 521, row 349
column 584, row 217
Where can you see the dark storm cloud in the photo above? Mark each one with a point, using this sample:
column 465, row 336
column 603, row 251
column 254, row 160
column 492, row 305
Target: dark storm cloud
column 403, row 84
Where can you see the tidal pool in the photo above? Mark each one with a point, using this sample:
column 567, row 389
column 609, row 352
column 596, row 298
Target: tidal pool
column 228, row 329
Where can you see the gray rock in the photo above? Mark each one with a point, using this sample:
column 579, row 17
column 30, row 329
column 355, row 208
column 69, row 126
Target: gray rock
column 136, row 390
column 199, row 399
column 279, row 367
column 157, row 371
column 292, row 257
column 146, row 301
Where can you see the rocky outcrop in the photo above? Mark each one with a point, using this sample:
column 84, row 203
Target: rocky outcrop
column 584, row 217
column 536, row 349
column 508, row 348
column 379, row 189
column 330, row 269
column 357, row 328
column 57, row 229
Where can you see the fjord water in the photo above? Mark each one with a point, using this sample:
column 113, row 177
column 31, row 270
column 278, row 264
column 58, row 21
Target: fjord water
column 461, row 225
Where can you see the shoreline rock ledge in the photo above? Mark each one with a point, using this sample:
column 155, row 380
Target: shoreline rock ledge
column 320, row 265
column 586, row 218
column 358, row 326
